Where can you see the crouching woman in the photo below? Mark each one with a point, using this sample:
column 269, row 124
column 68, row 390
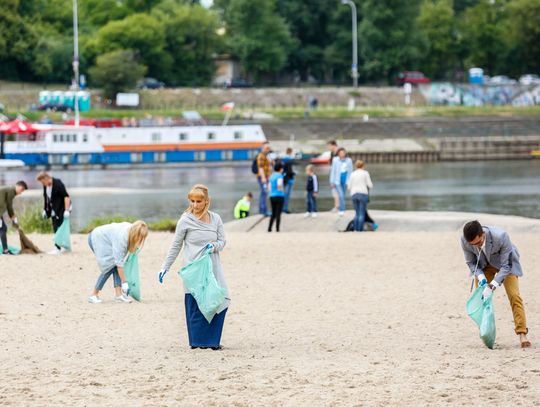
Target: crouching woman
column 111, row 244
column 197, row 231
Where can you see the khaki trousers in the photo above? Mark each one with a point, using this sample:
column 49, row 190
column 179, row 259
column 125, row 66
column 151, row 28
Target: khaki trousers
column 511, row 285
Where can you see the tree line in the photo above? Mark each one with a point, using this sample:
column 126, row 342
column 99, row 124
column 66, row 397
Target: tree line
column 177, row 41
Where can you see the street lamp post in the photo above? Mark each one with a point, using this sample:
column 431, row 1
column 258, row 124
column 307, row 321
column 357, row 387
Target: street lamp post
column 354, row 67
column 76, row 61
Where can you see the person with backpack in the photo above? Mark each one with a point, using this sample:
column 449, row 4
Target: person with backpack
column 288, row 177
column 262, row 167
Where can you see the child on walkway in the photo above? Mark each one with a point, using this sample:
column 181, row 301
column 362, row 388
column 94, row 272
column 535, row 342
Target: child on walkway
column 111, row 245
column 277, row 195
column 312, row 190
column 243, row 206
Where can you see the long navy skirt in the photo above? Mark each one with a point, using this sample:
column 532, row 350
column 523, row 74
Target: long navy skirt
column 200, row 332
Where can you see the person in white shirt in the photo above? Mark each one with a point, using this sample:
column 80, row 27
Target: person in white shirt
column 359, row 184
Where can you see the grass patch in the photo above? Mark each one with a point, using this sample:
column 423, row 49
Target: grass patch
column 164, row 225
column 323, row 112
column 31, row 221
column 105, row 220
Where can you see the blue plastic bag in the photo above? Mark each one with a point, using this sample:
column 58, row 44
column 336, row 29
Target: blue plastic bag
column 131, row 270
column 12, row 249
column 203, row 286
column 481, row 312
column 62, row 236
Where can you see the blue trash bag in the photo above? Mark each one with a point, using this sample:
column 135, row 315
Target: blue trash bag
column 131, row 270
column 203, row 286
column 481, row 312
column 12, row 249
column 62, row 236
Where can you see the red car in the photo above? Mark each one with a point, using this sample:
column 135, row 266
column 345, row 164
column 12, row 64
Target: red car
column 412, row 77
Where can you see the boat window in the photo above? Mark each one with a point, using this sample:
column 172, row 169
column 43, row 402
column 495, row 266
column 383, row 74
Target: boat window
column 156, row 137
column 227, row 155
column 85, row 138
column 182, row 136
column 237, row 135
column 74, row 138
column 160, row 157
column 211, row 136
column 61, row 138
column 200, row 155
column 55, row 138
column 136, row 157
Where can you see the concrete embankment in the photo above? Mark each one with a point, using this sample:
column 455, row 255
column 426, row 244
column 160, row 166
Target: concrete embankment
column 388, row 221
column 413, row 140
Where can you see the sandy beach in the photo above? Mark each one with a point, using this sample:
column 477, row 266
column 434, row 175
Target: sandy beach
column 317, row 318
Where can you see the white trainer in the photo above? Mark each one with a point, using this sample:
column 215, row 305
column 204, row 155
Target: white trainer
column 54, row 252
column 307, row 214
column 313, row 214
column 123, row 298
column 94, row 299
column 341, row 213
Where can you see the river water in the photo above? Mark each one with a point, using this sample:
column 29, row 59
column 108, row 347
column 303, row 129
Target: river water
column 501, row 187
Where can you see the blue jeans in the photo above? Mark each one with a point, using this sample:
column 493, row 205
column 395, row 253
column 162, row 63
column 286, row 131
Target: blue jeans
column 311, row 202
column 288, row 189
column 360, row 204
column 263, row 193
column 103, row 277
column 341, row 190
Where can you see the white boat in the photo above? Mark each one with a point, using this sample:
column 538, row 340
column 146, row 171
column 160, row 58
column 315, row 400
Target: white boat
column 11, row 163
column 70, row 145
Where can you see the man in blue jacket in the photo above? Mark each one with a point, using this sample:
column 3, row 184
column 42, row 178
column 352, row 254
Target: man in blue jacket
column 494, row 261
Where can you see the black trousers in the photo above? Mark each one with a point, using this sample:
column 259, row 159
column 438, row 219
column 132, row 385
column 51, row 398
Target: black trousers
column 277, row 207
column 3, row 233
column 56, row 223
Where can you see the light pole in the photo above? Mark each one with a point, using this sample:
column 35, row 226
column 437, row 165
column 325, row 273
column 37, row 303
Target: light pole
column 76, row 61
column 354, row 67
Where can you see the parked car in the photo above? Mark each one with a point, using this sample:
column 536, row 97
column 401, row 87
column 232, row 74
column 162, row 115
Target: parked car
column 529, row 79
column 501, row 80
column 238, row 83
column 150, row 83
column 412, row 77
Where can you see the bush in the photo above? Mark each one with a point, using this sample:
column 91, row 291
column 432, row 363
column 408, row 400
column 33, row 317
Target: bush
column 31, row 221
column 94, row 223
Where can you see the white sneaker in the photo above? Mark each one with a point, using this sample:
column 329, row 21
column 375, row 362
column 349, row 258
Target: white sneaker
column 307, row 214
column 334, row 210
column 94, row 299
column 63, row 250
column 54, row 252
column 313, row 214
column 123, row 298
column 341, row 213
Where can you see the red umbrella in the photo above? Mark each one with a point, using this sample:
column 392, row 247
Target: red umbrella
column 18, row 126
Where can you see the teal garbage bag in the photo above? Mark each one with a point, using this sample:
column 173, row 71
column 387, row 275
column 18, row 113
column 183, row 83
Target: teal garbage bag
column 131, row 270
column 203, row 286
column 12, row 249
column 481, row 312
column 62, row 236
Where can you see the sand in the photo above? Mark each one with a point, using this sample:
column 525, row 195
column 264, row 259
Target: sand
column 318, row 318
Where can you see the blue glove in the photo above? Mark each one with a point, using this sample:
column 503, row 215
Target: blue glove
column 210, row 248
column 482, row 283
column 161, row 275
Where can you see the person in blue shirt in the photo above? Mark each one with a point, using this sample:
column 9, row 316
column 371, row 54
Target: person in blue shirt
column 277, row 195
column 339, row 175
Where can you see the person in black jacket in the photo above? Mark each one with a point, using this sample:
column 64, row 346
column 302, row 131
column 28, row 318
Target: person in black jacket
column 57, row 203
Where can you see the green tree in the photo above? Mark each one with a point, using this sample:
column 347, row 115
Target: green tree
column 436, row 22
column 484, row 29
column 525, row 29
column 389, row 39
column 141, row 33
column 191, row 40
column 117, row 71
column 258, row 36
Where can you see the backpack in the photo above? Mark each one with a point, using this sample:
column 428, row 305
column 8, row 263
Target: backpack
column 288, row 172
column 255, row 166
column 350, row 226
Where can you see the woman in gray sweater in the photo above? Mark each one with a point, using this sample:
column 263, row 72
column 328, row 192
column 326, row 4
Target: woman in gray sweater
column 197, row 231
